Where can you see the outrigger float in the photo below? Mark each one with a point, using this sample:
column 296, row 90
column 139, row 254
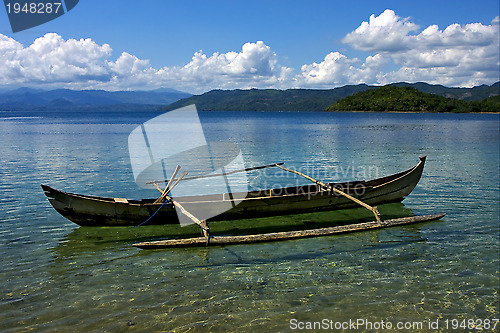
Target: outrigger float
column 86, row 210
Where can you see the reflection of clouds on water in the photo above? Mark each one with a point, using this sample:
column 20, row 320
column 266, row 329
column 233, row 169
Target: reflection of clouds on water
column 18, row 118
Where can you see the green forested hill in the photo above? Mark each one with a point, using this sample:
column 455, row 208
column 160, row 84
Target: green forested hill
column 268, row 99
column 466, row 94
column 397, row 98
column 313, row 99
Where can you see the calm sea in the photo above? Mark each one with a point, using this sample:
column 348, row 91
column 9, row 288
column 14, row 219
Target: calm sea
column 56, row 276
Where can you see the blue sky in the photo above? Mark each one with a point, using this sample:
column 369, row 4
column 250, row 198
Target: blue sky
column 289, row 44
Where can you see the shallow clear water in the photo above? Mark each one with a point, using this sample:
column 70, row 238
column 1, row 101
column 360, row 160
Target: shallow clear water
column 56, row 276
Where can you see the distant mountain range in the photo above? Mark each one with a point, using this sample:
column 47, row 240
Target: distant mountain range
column 79, row 100
column 311, row 99
column 220, row 100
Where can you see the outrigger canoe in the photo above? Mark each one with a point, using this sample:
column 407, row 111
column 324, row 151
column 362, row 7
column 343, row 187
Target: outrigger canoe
column 86, row 210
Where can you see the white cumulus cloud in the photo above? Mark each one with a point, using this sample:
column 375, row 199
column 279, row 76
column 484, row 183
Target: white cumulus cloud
column 51, row 59
column 338, row 70
column 127, row 64
column 333, row 70
column 83, row 64
column 397, row 50
column 386, row 32
column 459, row 55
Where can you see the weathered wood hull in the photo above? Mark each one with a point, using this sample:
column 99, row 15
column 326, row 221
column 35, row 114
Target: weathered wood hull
column 88, row 210
column 285, row 235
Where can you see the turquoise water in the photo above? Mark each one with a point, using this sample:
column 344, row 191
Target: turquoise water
column 56, row 276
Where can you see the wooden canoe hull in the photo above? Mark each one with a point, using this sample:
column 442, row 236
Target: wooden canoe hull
column 88, row 210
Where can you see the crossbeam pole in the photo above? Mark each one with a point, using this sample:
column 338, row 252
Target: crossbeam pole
column 374, row 209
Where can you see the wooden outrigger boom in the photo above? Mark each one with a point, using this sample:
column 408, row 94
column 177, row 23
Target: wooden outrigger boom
column 164, row 196
column 286, row 235
column 218, row 174
column 201, row 223
column 325, row 187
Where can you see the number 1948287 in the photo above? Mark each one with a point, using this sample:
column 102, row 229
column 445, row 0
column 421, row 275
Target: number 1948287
column 478, row 324
column 34, row 7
